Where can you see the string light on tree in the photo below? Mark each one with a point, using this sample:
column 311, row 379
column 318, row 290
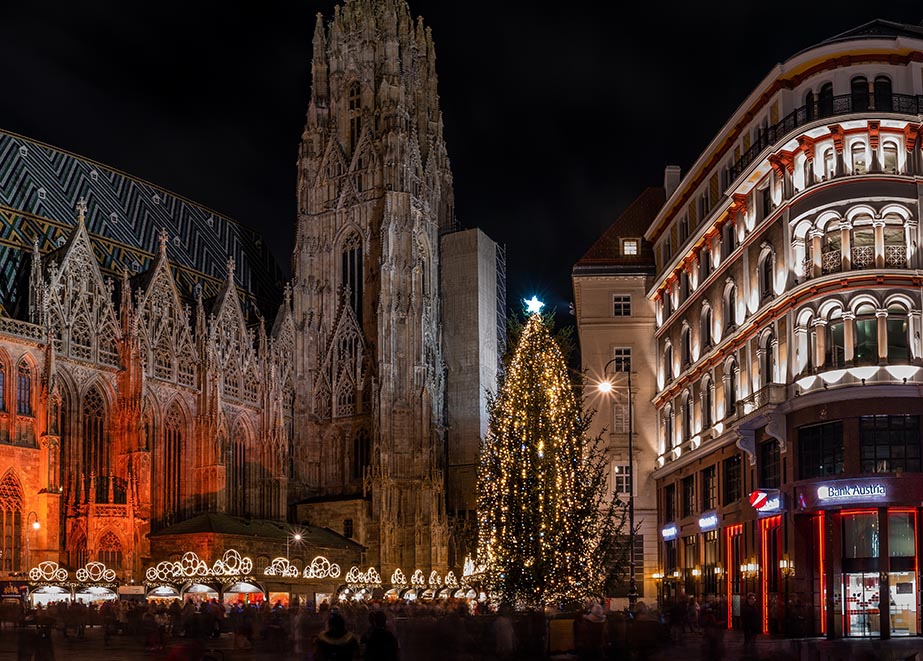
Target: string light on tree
column 545, row 528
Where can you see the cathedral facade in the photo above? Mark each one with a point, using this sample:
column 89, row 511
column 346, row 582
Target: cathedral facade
column 157, row 373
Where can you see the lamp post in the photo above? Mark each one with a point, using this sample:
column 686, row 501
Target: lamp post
column 35, row 525
column 294, row 537
column 605, row 386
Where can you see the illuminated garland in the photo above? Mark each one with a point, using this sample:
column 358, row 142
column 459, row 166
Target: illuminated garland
column 48, row 572
column 321, row 567
column 95, row 572
column 356, row 578
column 281, row 567
column 417, row 579
column 435, row 580
column 450, row 580
column 190, row 566
column 398, row 579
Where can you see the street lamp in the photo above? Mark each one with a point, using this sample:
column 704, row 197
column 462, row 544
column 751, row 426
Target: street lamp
column 294, row 537
column 35, row 526
column 605, row 386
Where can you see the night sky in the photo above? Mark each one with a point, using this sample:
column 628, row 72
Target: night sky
column 555, row 120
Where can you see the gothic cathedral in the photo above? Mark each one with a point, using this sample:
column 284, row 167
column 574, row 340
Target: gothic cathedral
column 374, row 195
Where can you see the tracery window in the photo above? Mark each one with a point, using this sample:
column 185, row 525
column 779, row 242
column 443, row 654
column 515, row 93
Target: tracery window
column 24, row 388
column 95, row 458
column 2, row 385
column 11, row 505
column 172, row 461
column 362, row 448
column 351, row 273
column 110, row 551
column 239, row 481
column 81, row 338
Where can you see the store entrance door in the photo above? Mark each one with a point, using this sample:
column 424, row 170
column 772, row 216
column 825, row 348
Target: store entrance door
column 903, row 603
column 860, row 598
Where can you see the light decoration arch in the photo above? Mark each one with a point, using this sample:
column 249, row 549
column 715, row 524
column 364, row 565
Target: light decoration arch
column 321, row 567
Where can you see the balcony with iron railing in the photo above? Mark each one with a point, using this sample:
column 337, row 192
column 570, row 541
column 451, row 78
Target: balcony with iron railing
column 861, row 257
column 846, row 104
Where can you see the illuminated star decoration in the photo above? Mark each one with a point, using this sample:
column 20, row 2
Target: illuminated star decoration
column 533, row 305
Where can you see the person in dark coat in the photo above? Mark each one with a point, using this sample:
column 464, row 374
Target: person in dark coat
column 380, row 642
column 750, row 619
column 336, row 643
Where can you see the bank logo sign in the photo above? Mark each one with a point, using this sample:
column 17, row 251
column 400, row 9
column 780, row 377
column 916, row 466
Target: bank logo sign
column 845, row 492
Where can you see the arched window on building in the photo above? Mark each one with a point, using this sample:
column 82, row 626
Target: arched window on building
column 687, row 415
column 889, row 157
column 11, row 506
column 24, row 388
column 831, row 249
column 730, row 307
column 110, row 551
column 883, row 99
column 858, row 158
column 707, row 404
column 895, row 243
column 809, row 110
column 835, row 341
column 768, row 363
column 239, row 482
column 686, row 346
column 866, row 335
column 825, row 100
column 351, row 272
column 668, row 436
column 354, row 96
column 362, row 451
column 766, row 269
column 2, row 384
column 898, row 336
column 859, row 94
column 173, row 426
column 730, row 388
column 668, row 363
column 705, row 327
column 863, row 243
column 807, row 173
column 95, row 459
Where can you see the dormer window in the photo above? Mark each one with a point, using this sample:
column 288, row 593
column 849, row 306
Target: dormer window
column 629, row 247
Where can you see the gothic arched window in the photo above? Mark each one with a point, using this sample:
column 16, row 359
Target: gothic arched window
column 2, row 385
column 172, row 461
column 11, row 502
column 24, row 388
column 351, row 273
column 95, row 457
column 110, row 551
column 362, row 448
column 239, row 482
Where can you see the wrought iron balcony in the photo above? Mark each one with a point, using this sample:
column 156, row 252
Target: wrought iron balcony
column 845, row 104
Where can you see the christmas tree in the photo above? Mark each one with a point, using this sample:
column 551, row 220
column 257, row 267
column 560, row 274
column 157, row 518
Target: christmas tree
column 546, row 528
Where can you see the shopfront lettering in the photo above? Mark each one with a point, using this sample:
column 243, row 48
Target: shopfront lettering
column 669, row 532
column 828, row 492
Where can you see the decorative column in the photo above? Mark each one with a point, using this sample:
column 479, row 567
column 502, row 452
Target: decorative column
column 836, row 131
column 881, row 315
column 910, row 151
column 884, row 569
column 910, row 233
column 874, row 143
column 820, row 341
column 845, row 245
column 816, row 254
column 913, row 321
column 800, row 260
column 801, row 351
column 849, row 336
column 807, row 148
column 878, row 226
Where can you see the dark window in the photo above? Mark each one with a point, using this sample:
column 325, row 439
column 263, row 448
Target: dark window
column 733, row 480
column 836, row 343
column 686, row 347
column 706, row 405
column 809, row 105
column 825, row 100
column 347, row 527
column 362, row 447
column 765, row 201
column 24, row 390
column 709, row 488
column 621, row 359
column 766, row 266
column 820, row 450
column 889, row 443
column 883, row 93
column 859, row 94
column 706, row 328
column 770, row 465
column 669, row 502
column 621, row 305
column 669, row 556
column 352, row 273
column 711, row 562
column 690, row 560
column 866, row 335
column 704, row 265
column 689, row 495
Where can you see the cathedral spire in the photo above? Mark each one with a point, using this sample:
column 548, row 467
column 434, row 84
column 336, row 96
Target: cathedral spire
column 319, row 63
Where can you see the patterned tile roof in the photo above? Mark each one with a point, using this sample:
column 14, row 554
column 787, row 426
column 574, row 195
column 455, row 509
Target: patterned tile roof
column 39, row 189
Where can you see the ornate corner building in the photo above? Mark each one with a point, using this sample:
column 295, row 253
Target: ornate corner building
column 788, row 332
column 162, row 389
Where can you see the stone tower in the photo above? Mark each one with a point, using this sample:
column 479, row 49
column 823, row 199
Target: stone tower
column 374, row 194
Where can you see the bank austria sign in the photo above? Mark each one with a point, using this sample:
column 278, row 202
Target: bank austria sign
column 766, row 501
column 848, row 492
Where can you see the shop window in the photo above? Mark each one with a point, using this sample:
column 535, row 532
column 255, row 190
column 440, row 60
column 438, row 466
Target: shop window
column 866, row 336
column 709, row 488
column 689, row 495
column 690, row 561
column 733, row 480
column 820, row 450
column 889, row 443
column 669, row 503
column 770, row 465
column 860, row 535
column 669, row 557
column 902, row 534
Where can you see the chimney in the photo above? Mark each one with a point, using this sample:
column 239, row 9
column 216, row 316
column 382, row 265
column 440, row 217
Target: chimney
column 671, row 177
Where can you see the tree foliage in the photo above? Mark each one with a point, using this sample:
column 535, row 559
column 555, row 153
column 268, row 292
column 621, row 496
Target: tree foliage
column 546, row 526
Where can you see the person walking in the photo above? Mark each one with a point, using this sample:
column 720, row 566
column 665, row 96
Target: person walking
column 336, row 643
column 380, row 641
column 750, row 619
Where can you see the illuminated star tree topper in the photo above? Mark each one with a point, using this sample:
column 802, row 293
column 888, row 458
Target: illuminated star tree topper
column 533, row 305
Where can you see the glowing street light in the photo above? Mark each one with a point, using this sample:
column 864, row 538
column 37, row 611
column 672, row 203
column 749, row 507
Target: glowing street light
column 294, row 537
